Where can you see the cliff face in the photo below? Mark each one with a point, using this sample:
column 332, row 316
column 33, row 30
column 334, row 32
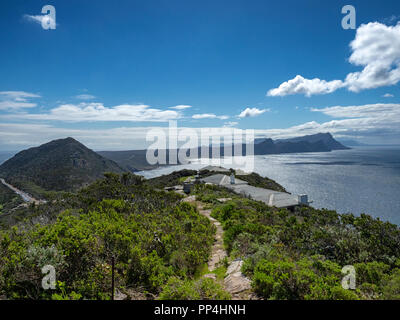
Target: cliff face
column 320, row 142
column 325, row 138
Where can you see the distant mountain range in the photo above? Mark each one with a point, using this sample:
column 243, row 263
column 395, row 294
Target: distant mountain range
column 130, row 160
column 135, row 160
column 66, row 164
column 59, row 165
column 320, row 142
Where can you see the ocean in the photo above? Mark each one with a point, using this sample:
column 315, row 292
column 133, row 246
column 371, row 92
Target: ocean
column 360, row 180
column 5, row 155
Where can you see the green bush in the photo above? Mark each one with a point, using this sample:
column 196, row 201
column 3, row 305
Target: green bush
column 391, row 286
column 308, row 278
column 150, row 233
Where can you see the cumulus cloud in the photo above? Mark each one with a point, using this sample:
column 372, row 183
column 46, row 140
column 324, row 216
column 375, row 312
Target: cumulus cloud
column 209, row 116
column 90, row 112
column 180, row 107
column 308, row 87
column 251, row 112
column 388, row 95
column 375, row 48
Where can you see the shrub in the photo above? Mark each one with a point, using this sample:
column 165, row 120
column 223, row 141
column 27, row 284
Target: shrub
column 391, row 287
column 308, row 278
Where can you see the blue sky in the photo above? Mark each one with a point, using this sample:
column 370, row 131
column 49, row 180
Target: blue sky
column 111, row 70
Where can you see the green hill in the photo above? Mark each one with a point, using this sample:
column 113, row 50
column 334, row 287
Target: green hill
column 59, row 165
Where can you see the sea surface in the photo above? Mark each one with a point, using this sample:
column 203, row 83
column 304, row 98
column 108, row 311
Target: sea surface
column 5, row 155
column 360, row 180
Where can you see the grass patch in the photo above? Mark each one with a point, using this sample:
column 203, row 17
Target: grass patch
column 220, row 272
column 201, row 271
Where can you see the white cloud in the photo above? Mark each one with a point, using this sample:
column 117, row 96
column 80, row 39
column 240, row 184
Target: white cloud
column 392, row 19
column 387, row 111
column 375, row 121
column 10, row 100
column 85, row 96
column 230, row 124
column 90, row 112
column 251, row 112
column 18, row 95
column 209, row 116
column 300, row 85
column 180, row 107
column 7, row 105
column 40, row 19
column 18, row 135
column 376, row 48
column 388, row 95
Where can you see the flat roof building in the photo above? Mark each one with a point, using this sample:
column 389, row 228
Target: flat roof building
column 270, row 197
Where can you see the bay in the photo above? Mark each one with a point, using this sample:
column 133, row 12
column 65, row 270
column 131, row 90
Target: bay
column 360, row 180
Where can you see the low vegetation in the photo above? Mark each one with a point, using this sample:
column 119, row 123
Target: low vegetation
column 300, row 254
column 8, row 199
column 256, row 180
column 161, row 245
column 172, row 179
column 152, row 236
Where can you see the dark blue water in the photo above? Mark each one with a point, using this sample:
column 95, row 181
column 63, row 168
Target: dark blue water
column 360, row 180
column 5, row 155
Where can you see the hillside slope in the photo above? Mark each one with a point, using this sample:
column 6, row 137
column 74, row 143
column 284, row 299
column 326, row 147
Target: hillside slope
column 324, row 139
column 59, row 165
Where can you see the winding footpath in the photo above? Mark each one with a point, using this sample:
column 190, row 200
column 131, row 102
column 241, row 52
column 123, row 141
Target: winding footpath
column 218, row 252
column 235, row 282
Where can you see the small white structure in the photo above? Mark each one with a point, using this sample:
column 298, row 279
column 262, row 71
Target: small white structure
column 270, row 197
column 303, row 199
column 271, row 200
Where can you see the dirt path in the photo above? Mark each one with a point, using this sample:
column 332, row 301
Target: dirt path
column 235, row 282
column 218, row 252
column 26, row 197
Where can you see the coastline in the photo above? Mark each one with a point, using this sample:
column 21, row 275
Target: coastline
column 336, row 180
